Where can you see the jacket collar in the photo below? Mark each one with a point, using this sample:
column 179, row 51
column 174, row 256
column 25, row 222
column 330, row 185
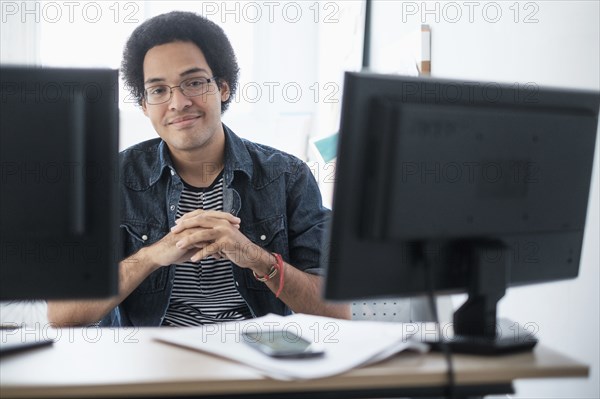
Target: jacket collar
column 237, row 157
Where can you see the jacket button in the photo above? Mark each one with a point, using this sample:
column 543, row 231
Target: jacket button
column 172, row 172
column 263, row 237
column 172, row 207
column 144, row 237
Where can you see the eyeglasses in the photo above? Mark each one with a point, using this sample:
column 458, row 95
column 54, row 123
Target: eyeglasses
column 190, row 88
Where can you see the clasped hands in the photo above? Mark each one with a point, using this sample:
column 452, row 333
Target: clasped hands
column 200, row 233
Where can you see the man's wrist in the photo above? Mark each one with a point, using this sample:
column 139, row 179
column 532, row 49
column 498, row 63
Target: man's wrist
column 263, row 265
column 144, row 258
column 278, row 268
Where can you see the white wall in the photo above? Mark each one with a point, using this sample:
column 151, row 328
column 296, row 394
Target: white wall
column 291, row 55
column 559, row 46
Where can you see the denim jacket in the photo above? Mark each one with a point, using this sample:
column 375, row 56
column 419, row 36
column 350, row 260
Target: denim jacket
column 274, row 194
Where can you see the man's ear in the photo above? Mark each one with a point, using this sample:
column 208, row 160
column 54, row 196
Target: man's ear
column 144, row 108
column 224, row 88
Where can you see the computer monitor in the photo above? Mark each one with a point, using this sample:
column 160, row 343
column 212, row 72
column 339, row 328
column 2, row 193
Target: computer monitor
column 58, row 202
column 449, row 186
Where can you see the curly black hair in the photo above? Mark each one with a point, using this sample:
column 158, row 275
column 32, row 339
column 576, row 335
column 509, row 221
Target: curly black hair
column 178, row 26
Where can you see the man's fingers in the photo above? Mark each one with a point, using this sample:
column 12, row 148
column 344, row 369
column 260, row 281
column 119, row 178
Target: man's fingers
column 214, row 214
column 204, row 219
column 198, row 238
column 211, row 249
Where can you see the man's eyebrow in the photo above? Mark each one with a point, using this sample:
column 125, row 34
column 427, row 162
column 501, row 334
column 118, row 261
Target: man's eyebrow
column 192, row 70
column 183, row 74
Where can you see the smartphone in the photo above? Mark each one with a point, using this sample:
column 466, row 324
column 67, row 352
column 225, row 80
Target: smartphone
column 281, row 344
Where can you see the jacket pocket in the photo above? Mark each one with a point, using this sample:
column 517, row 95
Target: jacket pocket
column 135, row 236
column 138, row 234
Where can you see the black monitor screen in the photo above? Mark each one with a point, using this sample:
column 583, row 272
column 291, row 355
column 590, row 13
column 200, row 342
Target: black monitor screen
column 457, row 174
column 59, row 201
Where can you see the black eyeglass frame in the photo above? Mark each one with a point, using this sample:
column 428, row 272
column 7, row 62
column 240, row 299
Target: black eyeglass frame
column 183, row 90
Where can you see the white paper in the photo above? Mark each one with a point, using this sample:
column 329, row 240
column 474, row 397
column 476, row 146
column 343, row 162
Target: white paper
column 347, row 344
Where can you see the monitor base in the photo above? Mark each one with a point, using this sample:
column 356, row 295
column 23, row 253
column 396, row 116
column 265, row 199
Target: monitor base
column 510, row 338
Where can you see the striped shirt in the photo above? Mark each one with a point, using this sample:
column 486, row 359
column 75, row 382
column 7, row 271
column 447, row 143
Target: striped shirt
column 204, row 292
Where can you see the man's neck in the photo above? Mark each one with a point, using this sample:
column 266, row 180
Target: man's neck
column 199, row 173
column 200, row 167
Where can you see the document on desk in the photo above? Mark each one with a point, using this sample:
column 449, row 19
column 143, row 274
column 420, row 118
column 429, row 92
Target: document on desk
column 347, row 344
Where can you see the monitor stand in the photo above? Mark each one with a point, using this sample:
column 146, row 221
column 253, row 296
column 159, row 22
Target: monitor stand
column 476, row 329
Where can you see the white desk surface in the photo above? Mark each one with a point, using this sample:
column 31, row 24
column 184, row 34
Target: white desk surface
column 120, row 362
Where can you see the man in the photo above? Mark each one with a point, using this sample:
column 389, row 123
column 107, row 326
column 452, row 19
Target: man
column 215, row 228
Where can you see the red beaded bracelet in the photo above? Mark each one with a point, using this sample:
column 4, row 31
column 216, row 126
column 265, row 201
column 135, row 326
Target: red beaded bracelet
column 281, row 269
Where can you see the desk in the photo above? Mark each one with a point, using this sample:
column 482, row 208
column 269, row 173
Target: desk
column 128, row 362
